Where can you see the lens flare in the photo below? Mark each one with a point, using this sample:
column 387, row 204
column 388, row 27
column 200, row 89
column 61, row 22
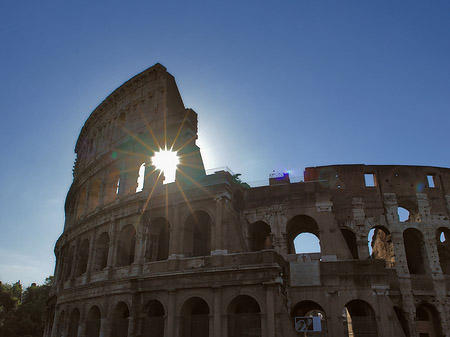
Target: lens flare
column 166, row 161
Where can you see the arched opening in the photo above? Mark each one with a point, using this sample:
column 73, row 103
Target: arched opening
column 94, row 194
column 81, row 202
column 140, row 179
column 74, row 322
column 157, row 246
column 304, row 230
column 259, row 236
column 381, row 246
column 359, row 319
column 403, row 214
column 195, row 318
column 93, row 322
column 310, row 317
column 415, row 250
column 350, row 239
column 61, row 323
column 101, row 252
column 83, row 256
column 244, row 317
column 126, row 247
column 427, row 321
column 120, row 320
column 402, row 320
column 153, row 325
column 197, row 238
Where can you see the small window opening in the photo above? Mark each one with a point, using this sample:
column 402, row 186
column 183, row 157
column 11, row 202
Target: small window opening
column 117, row 186
column 430, row 179
column 369, row 179
column 140, row 179
column 403, row 214
column 369, row 238
column 442, row 237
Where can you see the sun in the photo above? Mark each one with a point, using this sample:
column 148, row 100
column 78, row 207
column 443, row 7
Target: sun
column 166, row 161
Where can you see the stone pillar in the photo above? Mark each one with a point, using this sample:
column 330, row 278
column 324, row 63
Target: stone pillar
column 270, row 305
column 171, row 315
column 217, row 312
column 216, row 232
column 91, row 257
column 334, row 319
column 401, row 263
column 140, row 245
column 55, row 323
column 112, row 249
column 175, row 236
column 74, row 261
column 104, row 327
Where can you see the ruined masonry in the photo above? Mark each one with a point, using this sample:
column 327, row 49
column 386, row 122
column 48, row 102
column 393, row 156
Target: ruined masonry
column 208, row 255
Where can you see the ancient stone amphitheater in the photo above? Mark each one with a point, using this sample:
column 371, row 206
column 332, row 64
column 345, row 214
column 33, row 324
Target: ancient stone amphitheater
column 208, row 255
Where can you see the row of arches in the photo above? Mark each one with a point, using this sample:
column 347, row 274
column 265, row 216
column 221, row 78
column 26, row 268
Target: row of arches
column 244, row 319
column 155, row 241
column 303, row 236
column 359, row 319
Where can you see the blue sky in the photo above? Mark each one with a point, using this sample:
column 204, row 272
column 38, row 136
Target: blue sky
column 278, row 85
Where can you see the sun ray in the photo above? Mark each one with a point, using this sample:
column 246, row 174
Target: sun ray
column 179, row 130
column 196, row 183
column 149, row 128
column 151, row 193
column 184, row 196
column 186, row 143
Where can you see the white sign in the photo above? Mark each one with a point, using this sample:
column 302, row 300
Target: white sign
column 311, row 323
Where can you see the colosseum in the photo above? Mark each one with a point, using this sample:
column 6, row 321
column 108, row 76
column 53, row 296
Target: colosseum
column 205, row 254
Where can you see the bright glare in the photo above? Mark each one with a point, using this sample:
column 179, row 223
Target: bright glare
column 167, row 162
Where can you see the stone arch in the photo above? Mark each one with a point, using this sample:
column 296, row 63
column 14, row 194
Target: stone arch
column 427, row 320
column 197, row 234
column 153, row 323
column 259, row 236
column 350, row 239
column 195, row 318
column 83, row 256
column 381, row 246
column 120, row 317
column 157, row 242
column 415, row 251
column 93, row 322
column 244, row 317
column 126, row 246
column 101, row 252
column 112, row 184
column 297, row 225
column 359, row 319
column 309, row 308
column 74, row 322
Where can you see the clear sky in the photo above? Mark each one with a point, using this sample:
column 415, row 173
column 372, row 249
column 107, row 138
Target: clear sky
column 278, row 85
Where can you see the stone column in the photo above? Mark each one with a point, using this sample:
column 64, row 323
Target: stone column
column 104, row 327
column 175, row 236
column 270, row 310
column 55, row 323
column 216, row 236
column 112, row 249
column 91, row 256
column 217, row 312
column 171, row 314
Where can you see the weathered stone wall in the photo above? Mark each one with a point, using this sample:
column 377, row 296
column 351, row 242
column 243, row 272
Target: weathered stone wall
column 208, row 255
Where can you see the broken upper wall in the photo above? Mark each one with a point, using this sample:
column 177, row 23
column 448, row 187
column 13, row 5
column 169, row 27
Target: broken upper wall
column 418, row 189
column 149, row 100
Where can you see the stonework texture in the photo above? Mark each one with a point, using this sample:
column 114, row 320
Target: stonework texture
column 208, row 255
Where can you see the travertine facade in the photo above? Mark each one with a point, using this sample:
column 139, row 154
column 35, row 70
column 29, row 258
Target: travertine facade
column 209, row 256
